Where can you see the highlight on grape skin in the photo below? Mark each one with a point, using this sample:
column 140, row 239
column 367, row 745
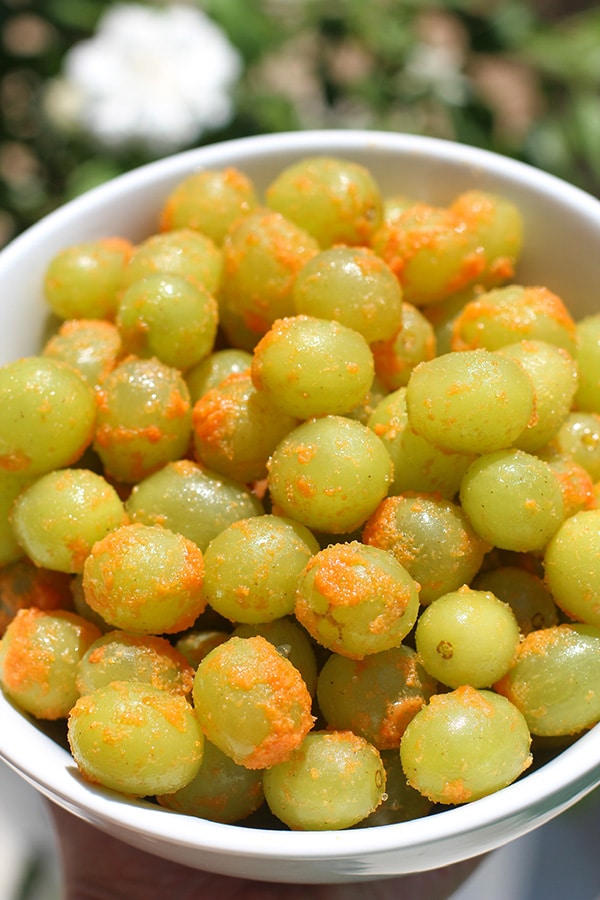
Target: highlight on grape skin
column 305, row 486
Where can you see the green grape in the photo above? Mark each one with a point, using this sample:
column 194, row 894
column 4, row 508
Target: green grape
column 356, row 600
column 236, row 429
column 10, row 488
column 92, row 346
column 263, row 254
column 498, row 226
column 23, row 585
column 189, row 499
column 553, row 373
column 467, row 637
column 60, row 516
column 464, row 745
column 182, row 252
column 330, row 474
column 354, row 286
column 419, row 465
column 442, row 316
column 554, row 680
column 83, row 281
column 120, row 656
column 144, row 419
column 291, row 641
column 336, row 200
column 210, row 372
column 396, row 357
column 394, row 206
column 136, row 739
column 431, row 537
column 312, row 367
column 209, row 201
column 47, row 416
column 234, row 330
column 39, row 655
column 145, row 579
column 375, row 697
column 222, row 791
column 576, row 483
column 252, row 702
column 82, row 607
column 195, row 645
column 512, row 313
column 333, row 780
column 401, row 802
column 513, row 500
column 170, row 317
column 525, row 592
column 431, row 251
column 362, row 411
column 587, row 354
column 579, row 438
column 253, row 565
column 476, row 401
column 572, row 566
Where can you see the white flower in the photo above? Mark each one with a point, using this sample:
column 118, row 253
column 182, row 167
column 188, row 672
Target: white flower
column 156, row 76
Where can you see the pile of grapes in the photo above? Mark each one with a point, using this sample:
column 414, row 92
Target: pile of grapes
column 300, row 505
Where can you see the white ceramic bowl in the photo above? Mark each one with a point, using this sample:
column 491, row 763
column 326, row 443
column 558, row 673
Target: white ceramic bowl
column 561, row 252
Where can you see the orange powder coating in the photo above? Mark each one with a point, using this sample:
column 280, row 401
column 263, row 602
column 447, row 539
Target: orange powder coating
column 398, row 714
column 338, row 578
column 22, row 667
column 213, row 421
column 16, row 461
column 455, row 792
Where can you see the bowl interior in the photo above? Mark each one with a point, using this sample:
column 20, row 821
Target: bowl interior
column 562, row 227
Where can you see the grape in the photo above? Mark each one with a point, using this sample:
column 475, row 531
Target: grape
column 587, row 354
column 356, row 600
column 525, row 592
column 332, row 780
column 195, row 645
column 467, row 637
column 23, row 585
column 10, row 488
column 442, row 315
column 236, row 429
column 209, row 201
column 553, row 373
column 464, row 745
column 120, row 656
column 145, row 579
column 263, row 254
column 431, row 538
column 354, row 286
column 513, row 313
column 39, row 654
column 396, row 357
column 169, row 317
column 144, row 419
column 498, row 226
column 575, row 482
column 92, row 346
column 401, row 802
column 336, row 200
column 513, row 500
column 47, row 416
column 210, row 372
column 291, row 641
column 222, row 791
column 572, row 566
column 431, row 251
column 375, row 697
column 419, row 465
column 554, row 680
column 329, row 473
column 253, row 565
column 182, row 252
column 191, row 500
column 312, row 367
column 251, row 702
column 476, row 401
column 135, row 738
column 83, row 281
column 60, row 516
column 579, row 438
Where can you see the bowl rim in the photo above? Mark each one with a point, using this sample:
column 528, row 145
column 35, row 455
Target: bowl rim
column 549, row 789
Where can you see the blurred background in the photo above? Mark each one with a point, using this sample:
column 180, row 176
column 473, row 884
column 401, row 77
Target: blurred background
column 90, row 88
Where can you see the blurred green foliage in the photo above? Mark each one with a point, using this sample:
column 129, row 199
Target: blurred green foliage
column 517, row 77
